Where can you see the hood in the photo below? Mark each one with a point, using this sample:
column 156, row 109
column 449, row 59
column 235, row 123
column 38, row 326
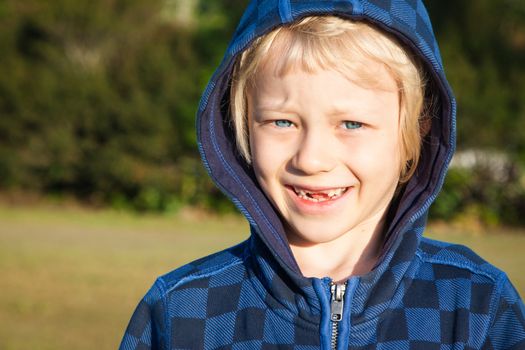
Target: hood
column 409, row 22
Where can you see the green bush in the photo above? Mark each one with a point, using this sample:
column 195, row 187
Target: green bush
column 476, row 194
column 98, row 100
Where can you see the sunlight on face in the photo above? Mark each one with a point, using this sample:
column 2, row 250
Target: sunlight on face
column 325, row 151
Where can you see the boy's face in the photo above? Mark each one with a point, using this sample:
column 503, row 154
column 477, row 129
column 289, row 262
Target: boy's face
column 325, row 150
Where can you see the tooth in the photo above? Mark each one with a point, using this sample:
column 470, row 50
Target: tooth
column 311, row 196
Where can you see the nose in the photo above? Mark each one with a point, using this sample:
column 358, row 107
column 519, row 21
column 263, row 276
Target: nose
column 315, row 153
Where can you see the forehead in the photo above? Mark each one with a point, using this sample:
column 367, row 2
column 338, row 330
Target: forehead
column 322, row 96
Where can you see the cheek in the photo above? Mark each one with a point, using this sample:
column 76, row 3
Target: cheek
column 264, row 157
column 269, row 152
column 378, row 158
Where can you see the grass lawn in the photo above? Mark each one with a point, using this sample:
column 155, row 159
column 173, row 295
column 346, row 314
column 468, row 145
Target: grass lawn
column 70, row 279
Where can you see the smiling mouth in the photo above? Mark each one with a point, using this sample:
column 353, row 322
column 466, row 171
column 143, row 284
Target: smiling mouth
column 319, row 196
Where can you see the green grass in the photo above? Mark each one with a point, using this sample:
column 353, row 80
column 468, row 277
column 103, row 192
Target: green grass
column 70, row 279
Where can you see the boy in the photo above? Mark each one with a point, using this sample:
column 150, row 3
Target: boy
column 330, row 125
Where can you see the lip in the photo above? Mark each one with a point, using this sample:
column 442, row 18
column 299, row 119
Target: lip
column 312, row 208
column 316, row 188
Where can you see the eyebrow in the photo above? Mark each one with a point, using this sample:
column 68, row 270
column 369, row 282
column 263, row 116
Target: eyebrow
column 340, row 111
column 271, row 103
column 281, row 107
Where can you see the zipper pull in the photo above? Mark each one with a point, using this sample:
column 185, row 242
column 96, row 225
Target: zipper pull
column 337, row 301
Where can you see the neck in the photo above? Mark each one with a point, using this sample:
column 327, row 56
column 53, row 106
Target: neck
column 353, row 253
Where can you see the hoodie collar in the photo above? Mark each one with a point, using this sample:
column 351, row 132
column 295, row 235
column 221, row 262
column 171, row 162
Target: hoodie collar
column 296, row 297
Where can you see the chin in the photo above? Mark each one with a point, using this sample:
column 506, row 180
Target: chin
column 314, row 233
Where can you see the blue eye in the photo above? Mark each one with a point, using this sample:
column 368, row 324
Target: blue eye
column 352, row 125
column 282, row 123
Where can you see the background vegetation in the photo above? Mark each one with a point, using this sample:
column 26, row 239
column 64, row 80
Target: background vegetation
column 97, row 101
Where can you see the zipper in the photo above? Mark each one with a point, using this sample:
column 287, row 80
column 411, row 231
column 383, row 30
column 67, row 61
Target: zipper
column 337, row 292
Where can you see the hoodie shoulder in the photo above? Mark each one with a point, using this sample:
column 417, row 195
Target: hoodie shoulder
column 203, row 268
column 457, row 257
column 473, row 290
column 182, row 293
column 464, row 289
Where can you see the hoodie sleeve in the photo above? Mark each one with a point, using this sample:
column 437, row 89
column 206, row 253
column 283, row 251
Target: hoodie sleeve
column 144, row 331
column 508, row 328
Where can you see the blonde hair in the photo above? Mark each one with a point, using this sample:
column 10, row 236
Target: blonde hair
column 329, row 42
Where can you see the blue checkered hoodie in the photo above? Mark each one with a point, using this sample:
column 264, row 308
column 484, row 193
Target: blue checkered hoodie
column 423, row 294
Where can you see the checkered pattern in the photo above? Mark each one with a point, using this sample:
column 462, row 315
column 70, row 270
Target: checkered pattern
column 423, row 295
column 508, row 329
column 448, row 299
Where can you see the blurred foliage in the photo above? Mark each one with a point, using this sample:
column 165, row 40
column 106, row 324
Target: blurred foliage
column 98, row 97
column 473, row 196
column 483, row 47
